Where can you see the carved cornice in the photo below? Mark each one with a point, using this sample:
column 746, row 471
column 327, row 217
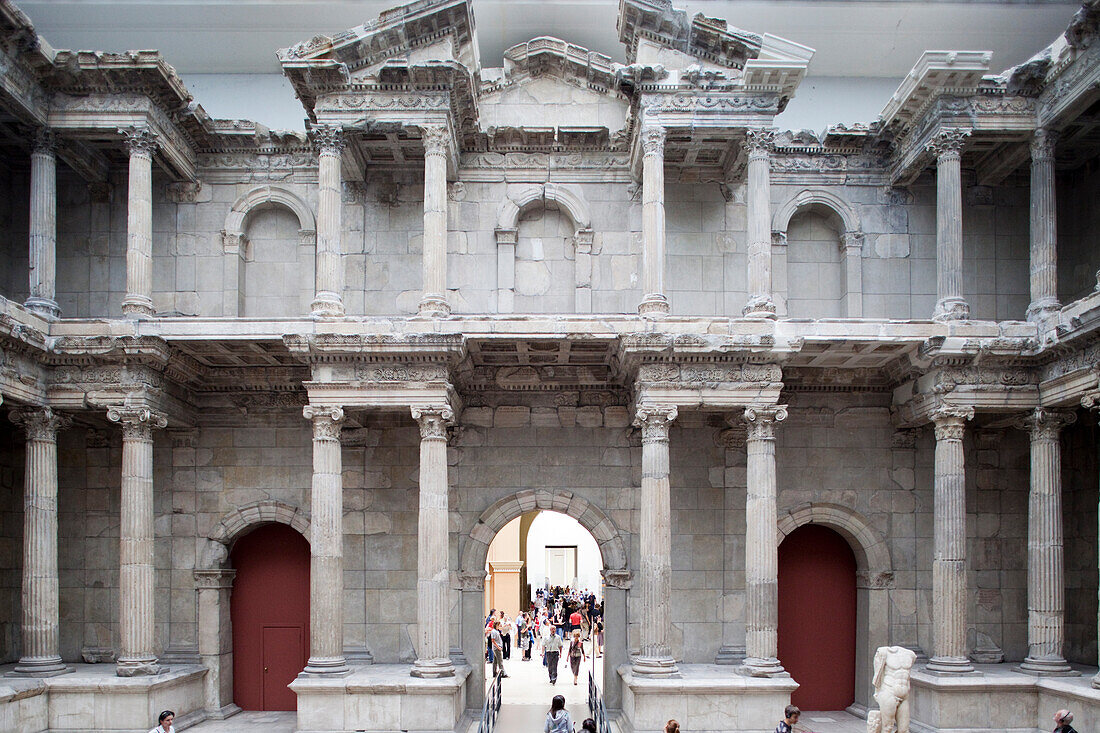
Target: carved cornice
column 1045, row 424
column 655, row 421
column 140, row 141
column 948, row 144
column 40, row 423
column 693, row 374
column 137, row 422
column 761, row 421
column 433, row 421
column 327, row 421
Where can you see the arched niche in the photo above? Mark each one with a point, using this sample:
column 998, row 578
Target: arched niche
column 552, row 197
column 849, row 239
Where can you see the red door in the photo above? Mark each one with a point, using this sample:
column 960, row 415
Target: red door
column 817, row 617
column 270, row 614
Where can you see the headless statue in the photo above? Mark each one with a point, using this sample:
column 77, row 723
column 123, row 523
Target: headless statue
column 891, row 681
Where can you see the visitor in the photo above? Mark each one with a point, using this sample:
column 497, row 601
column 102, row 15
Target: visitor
column 506, row 637
column 576, row 654
column 557, row 720
column 599, row 638
column 498, row 650
column 551, row 646
column 488, row 630
column 164, row 723
column 1062, row 720
column 790, row 719
column 575, row 620
column 588, row 726
column 672, row 727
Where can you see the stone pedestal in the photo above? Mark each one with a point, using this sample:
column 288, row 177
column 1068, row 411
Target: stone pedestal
column 142, row 145
column 329, row 299
column 654, row 301
column 655, row 544
column 949, row 598
column 326, row 545
column 136, row 573
column 433, row 301
column 433, row 579
column 759, row 144
column 216, row 641
column 43, row 227
column 761, row 549
column 947, row 146
column 40, row 622
column 1044, row 229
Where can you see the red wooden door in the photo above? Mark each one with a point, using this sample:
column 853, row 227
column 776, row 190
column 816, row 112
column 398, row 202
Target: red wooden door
column 817, row 617
column 270, row 614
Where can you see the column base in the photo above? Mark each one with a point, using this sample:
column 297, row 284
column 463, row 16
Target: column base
column 730, row 654
column 654, row 305
column 949, row 665
column 327, row 305
column 433, row 668
column 326, row 667
column 45, row 307
column 433, row 306
column 146, row 667
column 138, row 306
column 40, row 667
column 654, row 667
column 1096, row 681
column 759, row 306
column 951, row 309
column 763, row 667
column 1043, row 310
column 1053, row 666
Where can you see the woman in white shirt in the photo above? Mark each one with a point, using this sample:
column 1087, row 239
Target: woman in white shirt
column 164, row 723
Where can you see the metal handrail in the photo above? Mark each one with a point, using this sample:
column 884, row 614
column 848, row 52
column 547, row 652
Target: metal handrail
column 596, row 706
column 491, row 707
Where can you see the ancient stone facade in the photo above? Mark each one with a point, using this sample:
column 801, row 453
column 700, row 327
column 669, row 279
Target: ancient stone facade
column 610, row 290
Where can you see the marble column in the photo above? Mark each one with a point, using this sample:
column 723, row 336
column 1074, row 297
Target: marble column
column 1046, row 607
column 758, row 144
column 761, row 548
column 136, row 575
column 1044, row 228
column 433, row 609
column 947, row 146
column 328, row 302
column 949, row 586
column 43, row 226
column 41, row 617
column 655, row 544
column 213, row 588
column 141, row 142
column 473, row 633
column 326, row 544
column 732, row 441
column 1091, row 401
column 616, row 588
column 433, row 301
column 654, row 301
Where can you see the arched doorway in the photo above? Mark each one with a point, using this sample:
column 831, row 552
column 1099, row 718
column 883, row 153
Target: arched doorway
column 269, row 608
column 817, row 591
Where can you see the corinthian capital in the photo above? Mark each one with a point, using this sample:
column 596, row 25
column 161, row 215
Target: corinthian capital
column 1042, row 144
column 140, row 140
column 435, row 139
column 950, row 421
column 137, row 422
column 1046, row 424
column 653, row 140
column 45, row 141
column 654, row 421
column 327, row 420
column 329, row 139
column 759, row 141
column 761, row 421
column 948, row 143
column 40, row 423
column 433, row 421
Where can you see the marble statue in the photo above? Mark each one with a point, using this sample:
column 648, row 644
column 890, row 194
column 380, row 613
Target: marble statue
column 891, row 681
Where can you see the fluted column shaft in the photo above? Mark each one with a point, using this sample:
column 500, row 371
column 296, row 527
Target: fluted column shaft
column 654, row 301
column 1045, row 545
column 761, row 550
column 142, row 145
column 43, row 227
column 949, row 598
column 328, row 302
column 433, row 575
column 41, row 626
column 433, row 301
column 136, row 578
column 326, row 544
column 1091, row 401
column 947, row 146
column 655, row 543
column 1044, row 228
column 759, row 144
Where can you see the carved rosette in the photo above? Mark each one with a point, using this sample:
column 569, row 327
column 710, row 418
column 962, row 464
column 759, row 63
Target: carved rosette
column 654, row 422
column 759, row 142
column 653, row 141
column 620, row 579
column 948, row 144
column 435, row 139
column 40, row 423
column 1044, row 424
column 761, row 421
column 433, row 421
column 137, row 422
column 1043, row 143
column 44, row 142
column 950, row 421
column 140, row 141
column 327, row 421
column 329, row 139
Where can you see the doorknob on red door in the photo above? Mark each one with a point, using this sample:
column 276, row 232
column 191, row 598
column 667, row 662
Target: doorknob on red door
column 265, row 669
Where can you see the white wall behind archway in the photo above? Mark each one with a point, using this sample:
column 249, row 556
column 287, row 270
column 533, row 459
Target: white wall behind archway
column 551, row 528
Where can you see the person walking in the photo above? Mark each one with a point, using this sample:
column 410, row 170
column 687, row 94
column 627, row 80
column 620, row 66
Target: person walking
column 498, row 650
column 164, row 723
column 576, row 654
column 791, row 715
column 557, row 720
column 588, row 726
column 1062, row 720
column 551, row 646
column 506, row 637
